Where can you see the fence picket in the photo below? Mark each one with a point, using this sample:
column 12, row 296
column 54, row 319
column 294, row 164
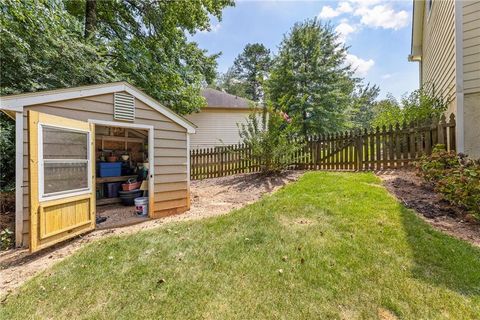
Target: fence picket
column 355, row 150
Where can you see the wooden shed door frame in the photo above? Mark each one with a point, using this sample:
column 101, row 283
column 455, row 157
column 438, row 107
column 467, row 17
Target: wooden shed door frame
column 151, row 154
column 63, row 215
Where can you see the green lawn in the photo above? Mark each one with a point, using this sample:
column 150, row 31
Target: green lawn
column 347, row 250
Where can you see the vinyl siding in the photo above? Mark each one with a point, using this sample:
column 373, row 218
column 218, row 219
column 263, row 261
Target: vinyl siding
column 471, row 76
column 471, row 107
column 471, row 46
column 216, row 127
column 438, row 61
column 170, row 149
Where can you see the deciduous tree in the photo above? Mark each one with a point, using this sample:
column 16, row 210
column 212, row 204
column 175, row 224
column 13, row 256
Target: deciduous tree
column 148, row 46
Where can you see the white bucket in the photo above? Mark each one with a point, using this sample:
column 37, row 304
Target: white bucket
column 141, row 206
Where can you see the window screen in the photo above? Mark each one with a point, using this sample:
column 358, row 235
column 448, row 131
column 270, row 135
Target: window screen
column 64, row 161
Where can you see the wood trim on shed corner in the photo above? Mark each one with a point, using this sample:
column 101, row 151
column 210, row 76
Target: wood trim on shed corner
column 19, row 179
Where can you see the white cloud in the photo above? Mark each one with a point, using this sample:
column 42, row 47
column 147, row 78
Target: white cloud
column 365, row 3
column 360, row 66
column 344, row 7
column 387, row 76
column 328, row 12
column 343, row 30
column 382, row 16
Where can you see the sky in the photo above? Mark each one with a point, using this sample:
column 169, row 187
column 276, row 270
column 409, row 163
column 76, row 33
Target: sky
column 377, row 32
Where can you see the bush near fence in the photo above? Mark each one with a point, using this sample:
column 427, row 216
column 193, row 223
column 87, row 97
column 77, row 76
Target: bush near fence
column 356, row 150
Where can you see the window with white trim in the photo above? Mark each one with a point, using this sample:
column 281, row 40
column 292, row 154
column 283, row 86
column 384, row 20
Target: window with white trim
column 64, row 162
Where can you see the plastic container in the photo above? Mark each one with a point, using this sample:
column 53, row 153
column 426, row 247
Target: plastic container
column 131, row 185
column 141, row 206
column 112, row 189
column 109, row 169
column 128, row 197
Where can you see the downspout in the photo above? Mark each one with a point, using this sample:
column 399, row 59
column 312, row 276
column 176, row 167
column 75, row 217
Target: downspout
column 459, row 128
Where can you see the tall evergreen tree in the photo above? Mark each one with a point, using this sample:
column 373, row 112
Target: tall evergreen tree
column 362, row 111
column 251, row 68
column 310, row 78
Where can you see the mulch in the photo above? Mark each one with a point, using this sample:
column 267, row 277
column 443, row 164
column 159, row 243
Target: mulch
column 420, row 196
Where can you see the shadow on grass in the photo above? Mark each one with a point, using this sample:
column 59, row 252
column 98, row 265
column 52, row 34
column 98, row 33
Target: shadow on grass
column 257, row 180
column 442, row 260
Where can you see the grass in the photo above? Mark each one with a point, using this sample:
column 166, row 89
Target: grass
column 346, row 248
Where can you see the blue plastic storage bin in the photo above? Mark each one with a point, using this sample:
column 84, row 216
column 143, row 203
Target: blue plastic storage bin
column 109, row 169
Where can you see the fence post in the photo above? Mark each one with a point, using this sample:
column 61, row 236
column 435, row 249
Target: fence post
column 359, row 147
column 451, row 136
column 440, row 131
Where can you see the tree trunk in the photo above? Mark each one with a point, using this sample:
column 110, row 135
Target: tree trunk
column 90, row 17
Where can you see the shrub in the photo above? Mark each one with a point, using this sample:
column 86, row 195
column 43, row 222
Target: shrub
column 418, row 106
column 270, row 136
column 7, row 153
column 6, row 239
column 456, row 177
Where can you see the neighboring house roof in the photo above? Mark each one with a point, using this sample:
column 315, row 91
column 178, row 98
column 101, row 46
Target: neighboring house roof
column 221, row 99
column 417, row 31
column 18, row 101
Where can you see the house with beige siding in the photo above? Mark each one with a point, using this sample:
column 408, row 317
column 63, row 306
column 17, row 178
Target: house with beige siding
column 446, row 44
column 218, row 122
column 91, row 152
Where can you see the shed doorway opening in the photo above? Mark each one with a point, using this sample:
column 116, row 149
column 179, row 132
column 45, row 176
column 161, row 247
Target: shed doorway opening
column 122, row 176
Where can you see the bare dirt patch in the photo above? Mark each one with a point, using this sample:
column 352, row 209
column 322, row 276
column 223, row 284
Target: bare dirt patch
column 414, row 193
column 211, row 197
column 385, row 314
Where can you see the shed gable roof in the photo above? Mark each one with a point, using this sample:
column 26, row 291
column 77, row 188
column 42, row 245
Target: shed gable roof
column 17, row 102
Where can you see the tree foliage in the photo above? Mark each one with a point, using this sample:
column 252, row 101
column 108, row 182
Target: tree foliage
column 270, row 139
column 48, row 44
column 418, row 106
column 310, row 78
column 249, row 71
column 42, row 47
column 148, row 46
column 362, row 110
column 7, row 152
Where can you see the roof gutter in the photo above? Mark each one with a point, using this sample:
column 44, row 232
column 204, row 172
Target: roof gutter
column 416, row 49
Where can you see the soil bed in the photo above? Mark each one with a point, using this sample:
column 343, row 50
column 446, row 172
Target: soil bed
column 416, row 194
column 211, row 197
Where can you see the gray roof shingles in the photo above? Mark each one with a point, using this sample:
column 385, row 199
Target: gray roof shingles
column 220, row 99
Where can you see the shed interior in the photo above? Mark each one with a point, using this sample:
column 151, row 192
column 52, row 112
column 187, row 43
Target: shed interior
column 122, row 166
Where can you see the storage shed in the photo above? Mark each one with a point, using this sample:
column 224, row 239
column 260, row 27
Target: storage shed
column 76, row 147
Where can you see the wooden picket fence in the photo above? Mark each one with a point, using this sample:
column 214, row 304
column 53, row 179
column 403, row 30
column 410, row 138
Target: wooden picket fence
column 357, row 150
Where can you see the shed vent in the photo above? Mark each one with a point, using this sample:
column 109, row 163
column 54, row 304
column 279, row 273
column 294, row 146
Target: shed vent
column 124, row 107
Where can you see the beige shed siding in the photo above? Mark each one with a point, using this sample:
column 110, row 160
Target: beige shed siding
column 170, row 141
column 471, row 46
column 216, row 127
column 438, row 61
